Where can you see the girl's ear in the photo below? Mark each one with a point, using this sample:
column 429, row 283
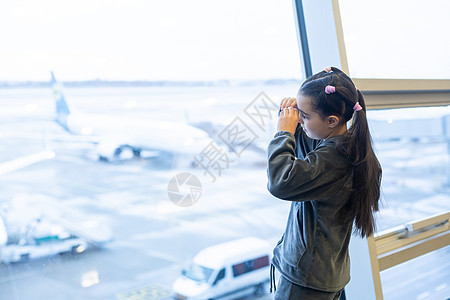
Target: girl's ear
column 333, row 121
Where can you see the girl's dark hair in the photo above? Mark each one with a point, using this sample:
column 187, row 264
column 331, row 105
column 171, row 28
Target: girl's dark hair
column 356, row 144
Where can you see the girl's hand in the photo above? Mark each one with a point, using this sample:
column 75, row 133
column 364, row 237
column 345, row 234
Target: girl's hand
column 288, row 119
column 288, row 102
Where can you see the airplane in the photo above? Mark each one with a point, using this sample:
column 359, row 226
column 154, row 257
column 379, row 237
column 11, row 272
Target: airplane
column 118, row 138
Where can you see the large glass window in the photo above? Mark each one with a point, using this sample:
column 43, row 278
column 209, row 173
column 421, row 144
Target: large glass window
column 396, row 39
column 158, row 151
column 413, row 147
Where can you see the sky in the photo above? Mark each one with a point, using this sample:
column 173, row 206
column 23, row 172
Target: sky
column 148, row 40
column 211, row 39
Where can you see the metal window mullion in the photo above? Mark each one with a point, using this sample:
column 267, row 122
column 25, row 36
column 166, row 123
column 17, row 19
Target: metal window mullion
column 303, row 37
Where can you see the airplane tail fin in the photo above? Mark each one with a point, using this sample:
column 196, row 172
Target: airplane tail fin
column 62, row 110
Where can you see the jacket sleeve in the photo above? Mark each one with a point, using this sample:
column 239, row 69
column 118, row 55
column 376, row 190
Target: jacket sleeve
column 295, row 179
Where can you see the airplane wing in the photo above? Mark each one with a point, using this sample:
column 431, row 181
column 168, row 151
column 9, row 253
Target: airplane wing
column 21, row 162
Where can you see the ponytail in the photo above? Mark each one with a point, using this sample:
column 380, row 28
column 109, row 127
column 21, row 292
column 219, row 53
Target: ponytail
column 347, row 102
column 366, row 174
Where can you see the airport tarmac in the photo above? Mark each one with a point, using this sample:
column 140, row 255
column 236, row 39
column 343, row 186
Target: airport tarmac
column 153, row 238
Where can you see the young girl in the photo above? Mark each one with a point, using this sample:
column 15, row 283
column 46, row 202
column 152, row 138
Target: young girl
column 332, row 178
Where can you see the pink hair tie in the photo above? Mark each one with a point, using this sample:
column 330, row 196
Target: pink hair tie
column 330, row 89
column 357, row 107
column 327, row 69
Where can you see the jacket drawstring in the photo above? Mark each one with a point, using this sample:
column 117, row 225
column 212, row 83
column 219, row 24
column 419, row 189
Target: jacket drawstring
column 272, row 278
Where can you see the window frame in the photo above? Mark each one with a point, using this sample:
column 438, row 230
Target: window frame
column 393, row 93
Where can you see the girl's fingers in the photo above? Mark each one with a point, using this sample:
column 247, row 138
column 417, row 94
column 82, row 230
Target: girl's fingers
column 288, row 102
column 280, row 112
column 292, row 110
column 288, row 111
column 294, row 104
column 283, row 103
column 288, row 119
column 287, row 108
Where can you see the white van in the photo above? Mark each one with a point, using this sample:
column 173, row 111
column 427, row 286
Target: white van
column 226, row 271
